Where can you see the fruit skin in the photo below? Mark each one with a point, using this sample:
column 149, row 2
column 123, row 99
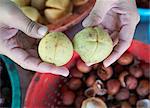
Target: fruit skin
column 104, row 73
column 113, row 86
column 55, row 48
column 21, row 3
column 125, row 59
column 68, row 97
column 143, row 88
column 31, row 12
column 57, row 9
column 123, row 94
column 90, row 80
column 136, row 71
column 93, row 44
column 75, row 83
column 76, row 73
column 81, row 66
column 38, row 4
column 131, row 82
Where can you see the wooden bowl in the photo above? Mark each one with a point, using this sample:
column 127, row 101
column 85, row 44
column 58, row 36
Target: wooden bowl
column 79, row 13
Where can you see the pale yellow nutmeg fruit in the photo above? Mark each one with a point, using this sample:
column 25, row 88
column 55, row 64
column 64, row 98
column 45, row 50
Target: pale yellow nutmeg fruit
column 93, row 103
column 31, row 12
column 57, row 9
column 55, row 48
column 21, row 3
column 38, row 4
column 93, row 45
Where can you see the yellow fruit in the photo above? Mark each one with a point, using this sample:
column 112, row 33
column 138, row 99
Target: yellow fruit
column 57, row 9
column 55, row 48
column 21, row 2
column 93, row 45
column 39, row 4
column 31, row 12
column 79, row 2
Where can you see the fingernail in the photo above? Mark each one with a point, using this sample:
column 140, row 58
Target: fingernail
column 42, row 30
column 64, row 71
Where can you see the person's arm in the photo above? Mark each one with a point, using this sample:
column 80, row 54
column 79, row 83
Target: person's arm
column 11, row 20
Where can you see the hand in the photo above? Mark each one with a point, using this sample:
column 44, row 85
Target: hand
column 11, row 42
column 119, row 18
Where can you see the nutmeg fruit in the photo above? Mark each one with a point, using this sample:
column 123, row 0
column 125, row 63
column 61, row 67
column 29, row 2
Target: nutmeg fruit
column 68, row 97
column 143, row 88
column 136, row 71
column 81, row 66
column 93, row 103
column 75, row 83
column 123, row 94
column 79, row 2
column 90, row 80
column 76, row 73
column 131, row 82
column 113, row 86
column 104, row 73
column 125, row 59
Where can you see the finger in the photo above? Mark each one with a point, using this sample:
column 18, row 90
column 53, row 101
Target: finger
column 117, row 52
column 98, row 12
column 7, row 33
column 115, row 38
column 29, row 62
column 14, row 17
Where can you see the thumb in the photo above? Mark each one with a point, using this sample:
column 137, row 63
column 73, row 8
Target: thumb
column 29, row 27
column 12, row 16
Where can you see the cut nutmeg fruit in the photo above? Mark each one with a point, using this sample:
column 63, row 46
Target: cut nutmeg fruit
column 93, row 103
column 57, row 9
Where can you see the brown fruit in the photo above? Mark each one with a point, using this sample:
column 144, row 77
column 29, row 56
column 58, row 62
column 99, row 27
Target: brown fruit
column 122, row 77
column 125, row 59
column 132, row 99
column 143, row 88
column 90, row 92
column 78, row 101
column 118, row 69
column 68, row 98
column 131, row 82
column 76, row 73
column 146, row 69
column 81, row 66
column 123, row 94
column 104, row 73
column 75, row 83
column 125, row 104
column 113, row 86
column 95, row 66
column 136, row 71
column 90, row 80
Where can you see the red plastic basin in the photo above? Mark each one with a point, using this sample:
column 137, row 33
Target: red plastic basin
column 44, row 89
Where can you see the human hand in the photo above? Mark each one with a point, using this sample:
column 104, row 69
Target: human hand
column 12, row 20
column 119, row 18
